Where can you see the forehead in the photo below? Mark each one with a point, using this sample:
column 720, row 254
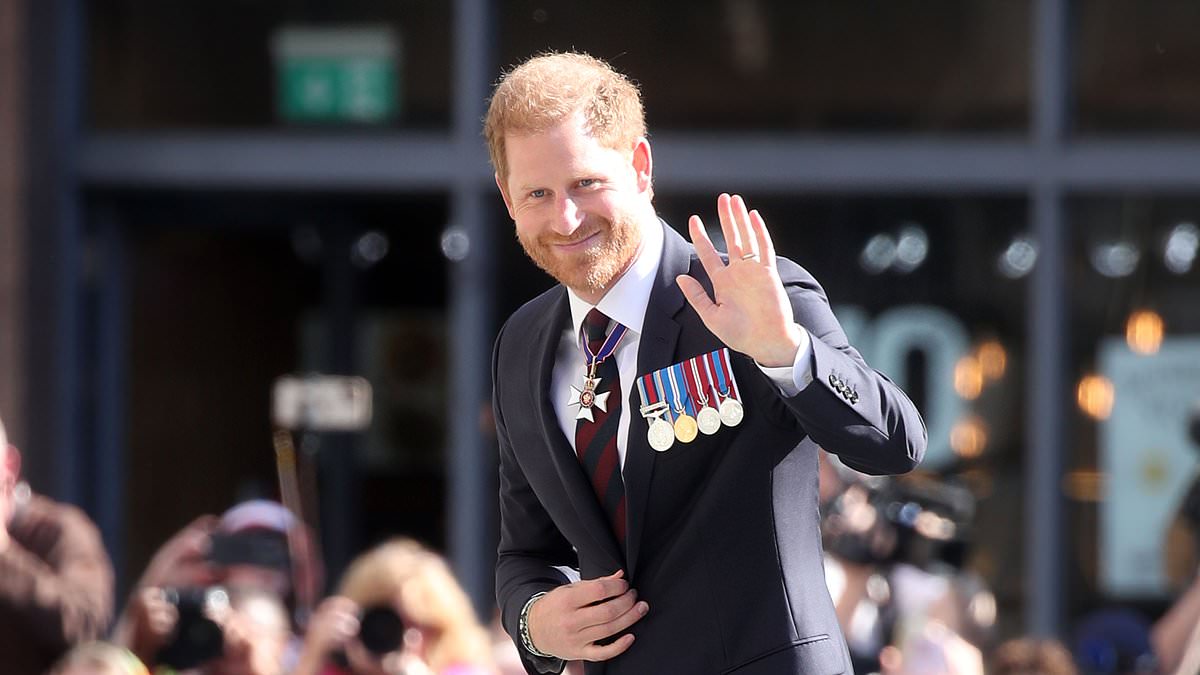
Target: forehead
column 566, row 147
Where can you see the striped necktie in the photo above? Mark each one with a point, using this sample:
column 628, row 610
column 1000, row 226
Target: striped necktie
column 596, row 442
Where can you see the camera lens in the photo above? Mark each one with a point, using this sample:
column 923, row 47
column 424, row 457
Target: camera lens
column 197, row 638
column 380, row 630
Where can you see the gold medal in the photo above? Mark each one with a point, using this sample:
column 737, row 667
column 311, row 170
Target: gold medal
column 685, row 428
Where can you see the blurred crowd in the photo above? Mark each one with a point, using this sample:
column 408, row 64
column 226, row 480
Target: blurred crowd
column 897, row 566
column 242, row 594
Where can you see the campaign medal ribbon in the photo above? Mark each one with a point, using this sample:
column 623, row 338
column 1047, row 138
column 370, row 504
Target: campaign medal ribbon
column 726, row 389
column 587, row 397
column 660, row 432
column 666, row 397
column 708, row 420
column 685, row 424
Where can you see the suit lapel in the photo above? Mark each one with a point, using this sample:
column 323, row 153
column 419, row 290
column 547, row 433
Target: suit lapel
column 660, row 332
column 566, row 463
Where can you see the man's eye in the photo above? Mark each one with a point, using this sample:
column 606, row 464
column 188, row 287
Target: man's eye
column 537, row 194
column 587, row 182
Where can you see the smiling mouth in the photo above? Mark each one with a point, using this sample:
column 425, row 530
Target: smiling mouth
column 575, row 244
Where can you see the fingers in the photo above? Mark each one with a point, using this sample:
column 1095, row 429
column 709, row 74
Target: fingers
column 594, row 652
column 709, row 258
column 697, row 297
column 741, row 223
column 606, row 612
column 569, row 620
column 593, row 591
column 733, row 239
column 623, row 616
column 745, row 232
column 766, row 248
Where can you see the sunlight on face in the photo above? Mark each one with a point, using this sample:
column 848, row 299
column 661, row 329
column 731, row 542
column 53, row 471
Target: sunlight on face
column 576, row 204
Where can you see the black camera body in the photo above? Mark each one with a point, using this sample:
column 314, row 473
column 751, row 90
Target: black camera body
column 257, row 547
column 918, row 522
column 380, row 630
column 196, row 639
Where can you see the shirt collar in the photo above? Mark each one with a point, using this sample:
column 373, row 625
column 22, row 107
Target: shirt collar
column 626, row 301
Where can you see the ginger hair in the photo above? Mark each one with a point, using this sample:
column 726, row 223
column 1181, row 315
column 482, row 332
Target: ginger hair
column 550, row 88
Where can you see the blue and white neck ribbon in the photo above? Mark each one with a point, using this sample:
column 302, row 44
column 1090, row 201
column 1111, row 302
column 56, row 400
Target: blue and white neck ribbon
column 606, row 349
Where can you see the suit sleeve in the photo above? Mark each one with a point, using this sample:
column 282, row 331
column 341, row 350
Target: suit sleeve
column 849, row 408
column 530, row 544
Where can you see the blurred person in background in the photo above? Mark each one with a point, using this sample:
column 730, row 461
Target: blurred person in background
column 1115, row 641
column 1176, row 635
column 260, row 543
column 932, row 649
column 398, row 611
column 248, row 548
column 1030, row 656
column 701, row 557
column 56, row 580
column 99, row 658
column 232, row 631
column 895, row 554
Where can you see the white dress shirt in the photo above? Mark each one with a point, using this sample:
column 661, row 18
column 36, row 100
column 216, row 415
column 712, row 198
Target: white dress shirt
column 626, row 304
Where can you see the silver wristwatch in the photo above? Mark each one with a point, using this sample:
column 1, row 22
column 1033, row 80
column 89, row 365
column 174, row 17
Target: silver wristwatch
column 523, row 627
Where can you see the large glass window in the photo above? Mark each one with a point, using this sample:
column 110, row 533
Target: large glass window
column 907, row 65
column 159, row 65
column 228, row 293
column 1135, row 368
column 1137, row 66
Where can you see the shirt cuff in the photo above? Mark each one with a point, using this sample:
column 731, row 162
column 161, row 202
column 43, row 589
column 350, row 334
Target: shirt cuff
column 791, row 380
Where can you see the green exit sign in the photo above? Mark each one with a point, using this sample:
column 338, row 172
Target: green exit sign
column 332, row 75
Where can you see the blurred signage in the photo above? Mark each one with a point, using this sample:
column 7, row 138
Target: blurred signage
column 1147, row 459
column 889, row 339
column 331, row 75
column 321, row 403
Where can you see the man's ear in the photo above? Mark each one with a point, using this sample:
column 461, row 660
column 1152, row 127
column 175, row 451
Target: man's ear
column 504, row 194
column 643, row 164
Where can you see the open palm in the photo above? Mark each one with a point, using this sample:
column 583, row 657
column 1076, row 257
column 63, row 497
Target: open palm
column 750, row 311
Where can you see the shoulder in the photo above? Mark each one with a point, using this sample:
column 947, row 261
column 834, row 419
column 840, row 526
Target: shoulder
column 791, row 273
column 529, row 316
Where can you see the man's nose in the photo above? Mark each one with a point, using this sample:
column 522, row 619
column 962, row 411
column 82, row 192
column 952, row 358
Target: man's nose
column 568, row 216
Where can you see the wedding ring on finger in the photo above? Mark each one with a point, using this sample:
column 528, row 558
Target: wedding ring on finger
column 750, row 256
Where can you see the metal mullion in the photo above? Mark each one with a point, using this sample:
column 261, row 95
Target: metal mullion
column 416, row 162
column 471, row 305
column 1046, row 327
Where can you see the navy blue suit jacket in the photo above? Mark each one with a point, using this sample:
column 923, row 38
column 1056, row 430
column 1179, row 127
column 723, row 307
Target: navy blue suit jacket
column 723, row 533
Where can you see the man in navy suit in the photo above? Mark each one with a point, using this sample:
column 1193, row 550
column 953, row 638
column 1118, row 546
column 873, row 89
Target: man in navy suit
column 629, row 540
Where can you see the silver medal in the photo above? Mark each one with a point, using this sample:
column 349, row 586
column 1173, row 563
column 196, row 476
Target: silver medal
column 709, row 420
column 731, row 412
column 661, row 434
